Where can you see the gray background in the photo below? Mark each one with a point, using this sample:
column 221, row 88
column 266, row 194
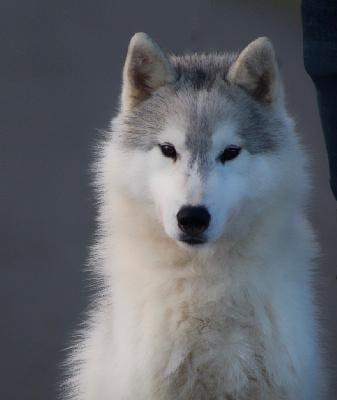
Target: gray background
column 60, row 77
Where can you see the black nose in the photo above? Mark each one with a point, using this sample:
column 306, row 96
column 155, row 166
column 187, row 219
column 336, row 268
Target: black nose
column 193, row 220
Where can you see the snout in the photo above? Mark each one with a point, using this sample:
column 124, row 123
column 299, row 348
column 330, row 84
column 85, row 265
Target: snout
column 193, row 221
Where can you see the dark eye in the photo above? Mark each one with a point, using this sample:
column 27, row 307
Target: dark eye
column 168, row 150
column 229, row 153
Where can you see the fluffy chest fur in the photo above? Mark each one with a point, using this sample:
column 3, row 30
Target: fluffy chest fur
column 209, row 326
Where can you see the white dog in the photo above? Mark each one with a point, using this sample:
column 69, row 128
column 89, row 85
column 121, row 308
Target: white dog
column 204, row 250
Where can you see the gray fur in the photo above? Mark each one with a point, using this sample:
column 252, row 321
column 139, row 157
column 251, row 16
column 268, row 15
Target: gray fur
column 258, row 125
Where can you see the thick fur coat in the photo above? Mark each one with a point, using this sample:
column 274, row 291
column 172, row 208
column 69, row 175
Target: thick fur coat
column 204, row 252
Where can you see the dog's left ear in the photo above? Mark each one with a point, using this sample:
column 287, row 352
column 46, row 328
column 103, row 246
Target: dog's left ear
column 146, row 69
column 256, row 72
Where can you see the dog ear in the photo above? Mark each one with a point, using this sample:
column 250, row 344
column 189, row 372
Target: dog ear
column 256, row 72
column 146, row 69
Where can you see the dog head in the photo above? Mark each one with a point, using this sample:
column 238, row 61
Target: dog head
column 201, row 140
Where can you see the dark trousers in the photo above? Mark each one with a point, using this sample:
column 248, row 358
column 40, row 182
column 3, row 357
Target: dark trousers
column 319, row 19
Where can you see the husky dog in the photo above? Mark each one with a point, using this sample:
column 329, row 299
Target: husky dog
column 204, row 250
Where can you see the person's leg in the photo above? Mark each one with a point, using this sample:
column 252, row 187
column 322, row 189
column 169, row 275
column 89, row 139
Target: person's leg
column 319, row 19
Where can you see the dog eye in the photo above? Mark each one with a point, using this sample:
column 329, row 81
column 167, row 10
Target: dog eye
column 229, row 153
column 168, row 150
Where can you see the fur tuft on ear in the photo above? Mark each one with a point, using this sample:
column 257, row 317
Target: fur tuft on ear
column 146, row 69
column 256, row 72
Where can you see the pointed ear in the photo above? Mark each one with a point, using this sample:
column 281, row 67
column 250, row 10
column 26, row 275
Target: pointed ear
column 256, row 72
column 146, row 69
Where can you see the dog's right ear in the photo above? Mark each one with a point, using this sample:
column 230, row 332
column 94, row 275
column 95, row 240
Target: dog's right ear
column 146, row 69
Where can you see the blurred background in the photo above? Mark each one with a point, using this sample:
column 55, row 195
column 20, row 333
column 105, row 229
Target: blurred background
column 60, row 79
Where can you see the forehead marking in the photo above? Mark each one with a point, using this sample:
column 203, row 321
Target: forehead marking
column 199, row 131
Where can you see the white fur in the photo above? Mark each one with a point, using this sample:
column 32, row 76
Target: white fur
column 232, row 319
